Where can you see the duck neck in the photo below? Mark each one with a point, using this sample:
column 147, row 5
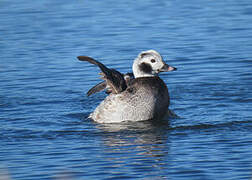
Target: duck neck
column 138, row 73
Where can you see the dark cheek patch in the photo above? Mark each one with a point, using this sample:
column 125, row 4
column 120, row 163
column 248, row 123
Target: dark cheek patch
column 145, row 67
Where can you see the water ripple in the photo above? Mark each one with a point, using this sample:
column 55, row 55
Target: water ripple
column 45, row 130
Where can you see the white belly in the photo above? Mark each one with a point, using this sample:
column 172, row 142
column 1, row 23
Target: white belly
column 118, row 108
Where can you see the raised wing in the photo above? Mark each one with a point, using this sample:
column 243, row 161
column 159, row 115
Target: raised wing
column 114, row 79
column 103, row 85
column 97, row 88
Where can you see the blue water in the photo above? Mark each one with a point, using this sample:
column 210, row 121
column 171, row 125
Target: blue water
column 44, row 129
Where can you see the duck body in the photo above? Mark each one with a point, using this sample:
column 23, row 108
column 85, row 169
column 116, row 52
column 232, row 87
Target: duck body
column 144, row 97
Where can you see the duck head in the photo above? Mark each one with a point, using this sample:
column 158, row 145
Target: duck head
column 150, row 63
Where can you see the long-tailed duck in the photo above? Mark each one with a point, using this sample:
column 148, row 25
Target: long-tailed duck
column 132, row 97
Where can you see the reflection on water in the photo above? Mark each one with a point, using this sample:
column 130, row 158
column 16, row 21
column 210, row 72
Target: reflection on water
column 4, row 174
column 143, row 146
column 141, row 126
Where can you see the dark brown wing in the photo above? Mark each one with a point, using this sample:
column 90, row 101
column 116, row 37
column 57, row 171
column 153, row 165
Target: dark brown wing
column 103, row 85
column 114, row 79
column 97, row 88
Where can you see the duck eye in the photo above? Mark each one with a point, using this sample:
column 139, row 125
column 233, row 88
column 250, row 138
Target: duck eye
column 153, row 60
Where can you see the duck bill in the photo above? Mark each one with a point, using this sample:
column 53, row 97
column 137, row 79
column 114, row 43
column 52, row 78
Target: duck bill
column 167, row 68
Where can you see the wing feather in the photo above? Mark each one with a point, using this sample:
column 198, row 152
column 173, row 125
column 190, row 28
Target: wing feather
column 114, row 79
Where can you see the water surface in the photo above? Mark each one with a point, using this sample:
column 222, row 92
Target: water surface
column 44, row 129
